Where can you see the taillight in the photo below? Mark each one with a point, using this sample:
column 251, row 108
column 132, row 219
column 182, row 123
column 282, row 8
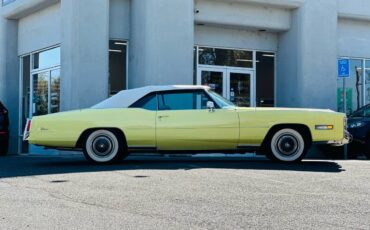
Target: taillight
column 28, row 125
column 26, row 133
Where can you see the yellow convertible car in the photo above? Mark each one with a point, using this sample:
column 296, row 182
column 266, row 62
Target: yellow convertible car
column 188, row 119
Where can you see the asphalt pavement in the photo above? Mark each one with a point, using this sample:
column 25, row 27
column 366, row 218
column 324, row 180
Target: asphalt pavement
column 66, row 192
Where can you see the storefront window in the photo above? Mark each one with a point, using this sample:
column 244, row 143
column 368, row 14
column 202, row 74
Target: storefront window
column 225, row 57
column 367, row 80
column 46, row 59
column 357, row 86
column 40, row 80
column 117, row 66
column 233, row 74
column 265, row 79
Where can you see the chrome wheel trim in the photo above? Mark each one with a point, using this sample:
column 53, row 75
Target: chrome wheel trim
column 287, row 145
column 102, row 146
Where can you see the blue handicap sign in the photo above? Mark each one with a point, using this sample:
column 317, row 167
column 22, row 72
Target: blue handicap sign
column 343, row 68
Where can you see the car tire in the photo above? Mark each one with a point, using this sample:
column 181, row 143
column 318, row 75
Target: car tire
column 104, row 146
column 286, row 145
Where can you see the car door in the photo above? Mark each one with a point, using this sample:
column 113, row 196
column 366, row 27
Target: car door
column 185, row 123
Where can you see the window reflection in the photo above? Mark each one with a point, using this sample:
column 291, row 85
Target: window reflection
column 46, row 59
column 225, row 57
column 40, row 93
column 55, row 91
column 367, row 80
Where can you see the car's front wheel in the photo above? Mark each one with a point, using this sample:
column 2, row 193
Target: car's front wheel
column 103, row 146
column 287, row 145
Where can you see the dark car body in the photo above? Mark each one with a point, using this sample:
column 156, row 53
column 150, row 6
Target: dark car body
column 359, row 127
column 4, row 130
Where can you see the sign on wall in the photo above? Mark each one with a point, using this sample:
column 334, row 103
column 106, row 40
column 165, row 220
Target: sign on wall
column 343, row 68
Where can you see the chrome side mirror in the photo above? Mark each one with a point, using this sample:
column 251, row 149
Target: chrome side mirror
column 211, row 106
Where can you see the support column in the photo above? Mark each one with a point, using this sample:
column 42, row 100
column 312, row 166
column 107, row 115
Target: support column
column 307, row 57
column 9, row 76
column 162, row 42
column 84, row 53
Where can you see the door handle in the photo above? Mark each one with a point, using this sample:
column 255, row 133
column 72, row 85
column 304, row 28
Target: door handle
column 162, row 116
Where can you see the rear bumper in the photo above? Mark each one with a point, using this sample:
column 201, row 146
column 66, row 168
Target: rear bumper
column 346, row 140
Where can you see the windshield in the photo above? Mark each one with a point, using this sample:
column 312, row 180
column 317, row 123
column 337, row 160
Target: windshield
column 221, row 101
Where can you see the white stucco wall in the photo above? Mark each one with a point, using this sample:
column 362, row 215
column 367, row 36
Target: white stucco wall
column 161, row 44
column 306, row 61
column 241, row 15
column 84, row 53
column 355, row 9
column 235, row 38
column 353, row 38
column 39, row 30
column 119, row 19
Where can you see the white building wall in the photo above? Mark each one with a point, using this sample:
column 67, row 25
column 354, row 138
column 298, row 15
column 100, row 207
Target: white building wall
column 353, row 38
column 39, row 30
column 9, row 75
column 307, row 66
column 84, row 53
column 241, row 15
column 235, row 38
column 162, row 41
column 354, row 9
column 119, row 19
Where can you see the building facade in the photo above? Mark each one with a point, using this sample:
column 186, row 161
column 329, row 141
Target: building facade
column 58, row 55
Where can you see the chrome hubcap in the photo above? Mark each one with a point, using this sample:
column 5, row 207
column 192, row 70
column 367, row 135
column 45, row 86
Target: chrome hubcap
column 287, row 144
column 102, row 146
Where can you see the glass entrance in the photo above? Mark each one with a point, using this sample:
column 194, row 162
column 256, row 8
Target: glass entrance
column 240, row 88
column 45, row 92
column 214, row 78
column 235, row 84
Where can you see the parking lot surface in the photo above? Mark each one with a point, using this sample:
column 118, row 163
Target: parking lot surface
column 66, row 192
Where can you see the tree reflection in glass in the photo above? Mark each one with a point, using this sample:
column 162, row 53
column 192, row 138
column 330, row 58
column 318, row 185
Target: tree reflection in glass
column 40, row 93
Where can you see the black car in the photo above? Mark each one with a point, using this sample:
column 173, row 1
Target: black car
column 4, row 130
column 359, row 127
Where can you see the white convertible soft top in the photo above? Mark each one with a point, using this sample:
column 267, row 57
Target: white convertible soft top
column 125, row 98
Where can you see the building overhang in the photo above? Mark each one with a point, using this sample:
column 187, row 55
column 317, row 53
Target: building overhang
column 285, row 4
column 22, row 8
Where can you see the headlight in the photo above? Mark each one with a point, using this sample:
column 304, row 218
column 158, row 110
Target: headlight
column 357, row 124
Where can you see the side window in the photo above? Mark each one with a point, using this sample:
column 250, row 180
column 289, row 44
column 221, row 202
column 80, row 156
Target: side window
column 191, row 100
column 148, row 102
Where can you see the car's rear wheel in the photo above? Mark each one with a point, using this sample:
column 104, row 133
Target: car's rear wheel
column 287, row 145
column 104, row 146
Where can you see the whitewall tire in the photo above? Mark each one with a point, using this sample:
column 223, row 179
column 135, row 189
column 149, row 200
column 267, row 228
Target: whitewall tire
column 287, row 145
column 103, row 146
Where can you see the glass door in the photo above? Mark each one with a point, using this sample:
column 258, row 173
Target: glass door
column 241, row 87
column 40, row 93
column 215, row 78
column 235, row 84
column 45, row 99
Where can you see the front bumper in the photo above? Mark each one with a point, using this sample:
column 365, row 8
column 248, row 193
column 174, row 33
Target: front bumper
column 346, row 140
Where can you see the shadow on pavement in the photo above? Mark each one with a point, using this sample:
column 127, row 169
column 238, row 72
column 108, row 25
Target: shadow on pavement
column 16, row 166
